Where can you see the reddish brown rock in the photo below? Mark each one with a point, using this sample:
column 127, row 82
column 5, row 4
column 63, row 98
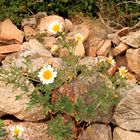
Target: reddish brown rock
column 133, row 60
column 10, row 33
column 10, row 48
column 91, row 51
column 123, row 32
column 63, row 52
column 114, row 38
column 120, row 49
column 104, row 49
column 68, row 25
column 49, row 42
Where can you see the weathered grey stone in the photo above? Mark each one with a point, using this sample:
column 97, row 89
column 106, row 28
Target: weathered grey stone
column 127, row 113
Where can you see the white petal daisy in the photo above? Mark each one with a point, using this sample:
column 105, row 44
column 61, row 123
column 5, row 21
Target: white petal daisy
column 122, row 71
column 47, row 74
column 79, row 37
column 17, row 131
column 111, row 61
column 55, row 27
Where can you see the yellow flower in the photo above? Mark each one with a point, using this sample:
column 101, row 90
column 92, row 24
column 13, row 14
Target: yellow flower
column 111, row 61
column 79, row 37
column 17, row 130
column 47, row 75
column 122, row 71
column 55, row 27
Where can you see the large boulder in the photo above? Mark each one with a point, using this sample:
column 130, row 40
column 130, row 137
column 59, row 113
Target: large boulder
column 127, row 113
column 19, row 107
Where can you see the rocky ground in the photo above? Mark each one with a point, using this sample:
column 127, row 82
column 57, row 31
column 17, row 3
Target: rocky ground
column 123, row 45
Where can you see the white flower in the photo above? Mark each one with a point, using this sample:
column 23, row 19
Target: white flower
column 54, row 48
column 17, row 131
column 111, row 61
column 47, row 75
column 99, row 60
column 79, row 37
column 55, row 27
column 122, row 71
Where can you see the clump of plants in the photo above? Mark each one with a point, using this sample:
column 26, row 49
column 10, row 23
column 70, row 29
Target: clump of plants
column 67, row 113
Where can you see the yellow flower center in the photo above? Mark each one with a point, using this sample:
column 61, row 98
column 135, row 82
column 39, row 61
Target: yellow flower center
column 56, row 28
column 123, row 72
column 17, row 131
column 47, row 75
column 78, row 38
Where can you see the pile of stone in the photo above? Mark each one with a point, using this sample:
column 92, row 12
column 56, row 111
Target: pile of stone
column 123, row 46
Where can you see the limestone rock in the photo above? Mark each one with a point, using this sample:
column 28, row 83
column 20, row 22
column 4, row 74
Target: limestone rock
column 29, row 32
column 133, row 58
column 120, row 134
column 33, row 131
column 10, row 33
column 120, row 49
column 114, row 38
column 69, row 25
column 2, row 113
column 81, row 29
column 79, row 49
column 63, row 52
column 49, row 42
column 97, row 132
column 104, row 49
column 18, row 108
column 29, row 22
column 133, row 39
column 45, row 22
column 127, row 111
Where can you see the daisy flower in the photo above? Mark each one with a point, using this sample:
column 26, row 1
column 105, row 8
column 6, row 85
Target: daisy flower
column 17, row 131
column 111, row 61
column 79, row 37
column 99, row 60
column 47, row 75
column 122, row 71
column 55, row 27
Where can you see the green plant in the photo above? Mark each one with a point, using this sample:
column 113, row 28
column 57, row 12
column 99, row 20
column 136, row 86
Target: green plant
column 65, row 111
column 2, row 131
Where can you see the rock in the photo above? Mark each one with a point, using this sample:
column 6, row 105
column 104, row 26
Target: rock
column 120, row 134
column 29, row 32
column 133, row 39
column 127, row 111
column 49, row 42
column 114, row 38
column 29, row 22
column 10, row 33
column 18, row 108
column 99, row 44
column 68, row 25
column 33, row 131
column 10, row 48
column 97, row 132
column 123, row 32
column 112, row 70
column 2, row 113
column 91, row 51
column 133, row 57
column 79, row 49
column 120, row 49
column 40, row 15
column 79, row 29
column 121, row 60
column 131, row 78
column 104, row 49
column 47, row 20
